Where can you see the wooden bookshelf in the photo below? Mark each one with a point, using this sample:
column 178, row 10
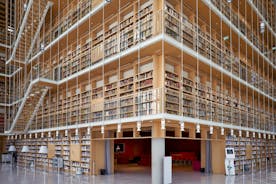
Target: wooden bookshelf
column 172, row 86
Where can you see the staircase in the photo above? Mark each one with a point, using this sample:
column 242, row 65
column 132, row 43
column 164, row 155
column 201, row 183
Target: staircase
column 30, row 27
column 30, row 104
column 34, row 88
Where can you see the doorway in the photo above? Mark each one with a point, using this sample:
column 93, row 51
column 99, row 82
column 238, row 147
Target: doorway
column 185, row 153
column 132, row 155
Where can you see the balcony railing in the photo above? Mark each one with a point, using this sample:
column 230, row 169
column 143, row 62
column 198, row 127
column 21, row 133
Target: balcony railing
column 216, row 107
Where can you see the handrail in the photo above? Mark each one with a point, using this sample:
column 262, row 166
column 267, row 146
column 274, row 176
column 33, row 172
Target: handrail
column 49, row 4
column 22, row 104
column 20, row 31
column 36, row 109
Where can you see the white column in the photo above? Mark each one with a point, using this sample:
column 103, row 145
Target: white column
column 157, row 154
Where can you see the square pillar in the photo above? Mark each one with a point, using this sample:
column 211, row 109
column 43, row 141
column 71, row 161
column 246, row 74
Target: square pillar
column 157, row 155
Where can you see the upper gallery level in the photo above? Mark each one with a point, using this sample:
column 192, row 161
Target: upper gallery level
column 109, row 33
column 238, row 22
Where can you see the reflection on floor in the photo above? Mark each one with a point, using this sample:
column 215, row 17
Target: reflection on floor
column 133, row 175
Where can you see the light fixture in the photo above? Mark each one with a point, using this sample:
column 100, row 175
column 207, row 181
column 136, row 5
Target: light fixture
column 197, row 128
column 49, row 134
column 232, row 132
column 269, row 136
column 42, row 134
column 222, row 131
column 10, row 30
column 182, row 127
column 262, row 27
column 25, row 6
column 240, row 133
column 42, row 46
column 88, row 130
column 264, row 136
column 211, row 130
column 57, row 133
column 15, row 137
column 163, row 124
column 12, row 148
column 226, row 38
column 139, row 125
column 102, row 129
column 259, row 134
column 36, row 135
column 247, row 133
column 43, row 149
column 229, row 1
column 66, row 133
column 25, row 136
column 77, row 132
column 119, row 128
column 253, row 135
column 25, row 149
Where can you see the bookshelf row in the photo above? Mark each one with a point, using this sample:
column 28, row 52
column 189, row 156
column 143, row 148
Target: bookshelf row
column 132, row 92
column 118, row 33
column 130, row 26
column 211, row 47
column 89, row 99
column 75, row 150
column 2, row 90
column 90, row 50
column 267, row 10
column 252, row 153
column 66, row 18
column 245, row 27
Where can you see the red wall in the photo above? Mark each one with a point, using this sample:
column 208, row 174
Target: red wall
column 133, row 148
column 173, row 145
column 142, row 148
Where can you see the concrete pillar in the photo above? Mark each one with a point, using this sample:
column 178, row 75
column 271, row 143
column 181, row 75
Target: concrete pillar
column 157, row 155
column 107, row 157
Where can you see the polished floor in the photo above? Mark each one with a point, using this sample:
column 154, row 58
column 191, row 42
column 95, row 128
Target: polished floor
column 132, row 175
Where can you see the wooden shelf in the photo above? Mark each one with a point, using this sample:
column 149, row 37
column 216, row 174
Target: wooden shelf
column 251, row 152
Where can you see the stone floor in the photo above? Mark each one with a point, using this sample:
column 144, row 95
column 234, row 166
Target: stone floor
column 133, row 175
